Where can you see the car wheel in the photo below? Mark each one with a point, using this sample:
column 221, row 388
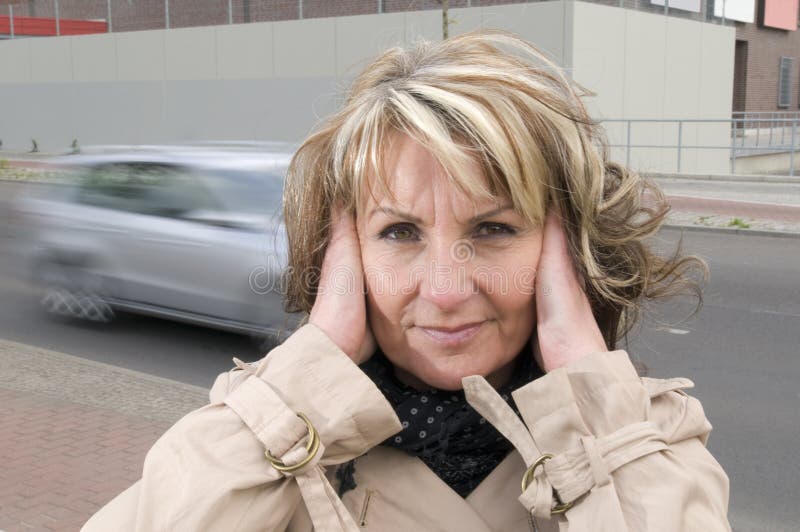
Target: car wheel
column 68, row 291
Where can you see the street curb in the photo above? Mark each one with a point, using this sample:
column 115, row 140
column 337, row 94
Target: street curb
column 724, row 177
column 25, row 182
column 72, row 359
column 39, row 371
column 732, row 230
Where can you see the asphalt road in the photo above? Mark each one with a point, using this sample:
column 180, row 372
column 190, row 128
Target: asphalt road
column 742, row 351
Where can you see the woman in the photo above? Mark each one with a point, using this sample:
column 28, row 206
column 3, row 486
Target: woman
column 467, row 257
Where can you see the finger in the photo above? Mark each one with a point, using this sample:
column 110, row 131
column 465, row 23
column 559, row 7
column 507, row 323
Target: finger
column 339, row 307
column 566, row 327
column 343, row 232
column 556, row 258
column 341, row 265
column 552, row 258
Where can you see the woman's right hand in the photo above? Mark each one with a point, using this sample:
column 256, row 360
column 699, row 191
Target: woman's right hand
column 340, row 309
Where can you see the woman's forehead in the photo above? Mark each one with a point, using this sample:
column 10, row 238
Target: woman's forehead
column 408, row 169
column 427, row 199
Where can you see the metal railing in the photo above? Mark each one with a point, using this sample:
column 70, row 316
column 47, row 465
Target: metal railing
column 744, row 135
column 764, row 127
column 762, row 118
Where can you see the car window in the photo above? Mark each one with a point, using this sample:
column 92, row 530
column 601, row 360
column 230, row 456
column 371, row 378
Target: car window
column 112, row 186
column 251, row 191
column 146, row 188
column 176, row 191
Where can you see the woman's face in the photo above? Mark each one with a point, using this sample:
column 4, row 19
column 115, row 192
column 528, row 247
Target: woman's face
column 449, row 283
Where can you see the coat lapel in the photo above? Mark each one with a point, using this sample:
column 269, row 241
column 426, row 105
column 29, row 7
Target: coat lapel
column 495, row 499
column 397, row 492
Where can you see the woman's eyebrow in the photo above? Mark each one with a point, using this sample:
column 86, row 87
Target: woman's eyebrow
column 393, row 212
column 478, row 218
column 411, row 218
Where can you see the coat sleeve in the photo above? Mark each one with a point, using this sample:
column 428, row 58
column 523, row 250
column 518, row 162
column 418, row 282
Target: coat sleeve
column 209, row 471
column 628, row 452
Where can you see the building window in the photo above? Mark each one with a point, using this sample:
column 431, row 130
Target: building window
column 785, row 83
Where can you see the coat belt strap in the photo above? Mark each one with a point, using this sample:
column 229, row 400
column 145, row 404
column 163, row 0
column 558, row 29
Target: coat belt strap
column 538, row 496
column 569, row 475
column 286, row 438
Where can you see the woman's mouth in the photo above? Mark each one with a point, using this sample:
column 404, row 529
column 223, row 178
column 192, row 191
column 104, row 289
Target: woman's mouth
column 452, row 336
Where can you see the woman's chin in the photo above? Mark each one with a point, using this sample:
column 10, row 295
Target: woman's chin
column 439, row 376
column 448, row 383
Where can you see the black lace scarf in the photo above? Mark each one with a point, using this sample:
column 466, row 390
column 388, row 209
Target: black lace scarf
column 441, row 428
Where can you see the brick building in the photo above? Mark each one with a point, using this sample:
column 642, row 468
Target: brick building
column 766, row 73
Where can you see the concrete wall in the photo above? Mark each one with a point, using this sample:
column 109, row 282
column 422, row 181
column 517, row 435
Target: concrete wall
column 260, row 81
column 274, row 80
column 647, row 66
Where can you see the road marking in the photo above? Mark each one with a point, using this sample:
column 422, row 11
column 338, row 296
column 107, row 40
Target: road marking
column 754, row 310
column 675, row 331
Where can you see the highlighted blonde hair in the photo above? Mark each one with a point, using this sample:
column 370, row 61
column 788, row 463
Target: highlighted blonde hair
column 489, row 97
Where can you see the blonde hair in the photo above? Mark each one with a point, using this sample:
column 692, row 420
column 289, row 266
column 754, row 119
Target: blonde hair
column 490, row 97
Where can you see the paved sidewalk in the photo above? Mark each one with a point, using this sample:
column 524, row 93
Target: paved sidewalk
column 761, row 211
column 696, row 212
column 760, row 207
column 74, row 433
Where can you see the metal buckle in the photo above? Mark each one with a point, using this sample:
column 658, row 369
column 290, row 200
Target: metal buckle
column 311, row 449
column 559, row 508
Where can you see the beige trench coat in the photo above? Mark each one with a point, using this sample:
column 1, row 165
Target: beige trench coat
column 628, row 452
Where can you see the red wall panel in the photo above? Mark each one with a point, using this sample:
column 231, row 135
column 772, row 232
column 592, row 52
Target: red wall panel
column 47, row 26
column 780, row 14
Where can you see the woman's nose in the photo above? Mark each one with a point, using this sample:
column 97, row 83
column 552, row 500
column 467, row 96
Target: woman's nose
column 447, row 281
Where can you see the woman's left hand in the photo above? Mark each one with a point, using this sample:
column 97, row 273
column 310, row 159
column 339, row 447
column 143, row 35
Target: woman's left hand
column 565, row 326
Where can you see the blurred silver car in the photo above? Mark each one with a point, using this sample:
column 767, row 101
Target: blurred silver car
column 193, row 234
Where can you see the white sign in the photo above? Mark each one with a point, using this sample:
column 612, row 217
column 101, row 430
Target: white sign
column 741, row 10
column 685, row 5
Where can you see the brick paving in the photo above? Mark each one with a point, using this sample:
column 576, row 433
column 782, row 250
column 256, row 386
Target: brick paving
column 63, row 461
column 74, row 433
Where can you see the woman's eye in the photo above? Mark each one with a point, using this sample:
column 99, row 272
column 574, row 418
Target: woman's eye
column 399, row 232
column 493, row 229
